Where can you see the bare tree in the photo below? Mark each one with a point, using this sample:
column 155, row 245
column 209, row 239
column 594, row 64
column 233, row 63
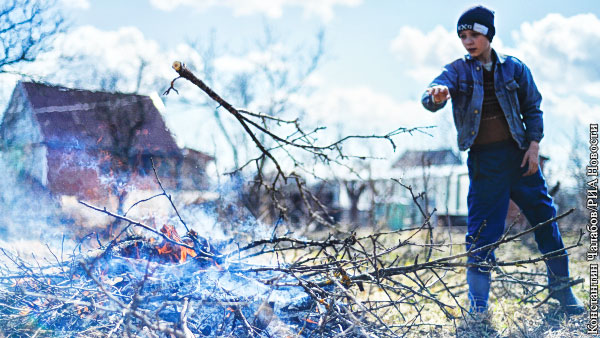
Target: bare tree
column 27, row 28
column 286, row 153
column 354, row 189
column 266, row 86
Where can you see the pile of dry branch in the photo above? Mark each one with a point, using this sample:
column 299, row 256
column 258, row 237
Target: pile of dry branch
column 145, row 287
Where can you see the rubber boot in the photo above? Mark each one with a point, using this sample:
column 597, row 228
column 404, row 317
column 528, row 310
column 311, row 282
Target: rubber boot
column 479, row 289
column 558, row 279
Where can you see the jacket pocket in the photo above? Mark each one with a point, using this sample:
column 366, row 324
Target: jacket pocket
column 513, row 96
column 465, row 88
column 461, row 103
column 512, row 85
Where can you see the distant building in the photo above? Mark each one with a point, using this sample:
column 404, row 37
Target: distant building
column 444, row 178
column 89, row 144
column 380, row 200
column 419, row 158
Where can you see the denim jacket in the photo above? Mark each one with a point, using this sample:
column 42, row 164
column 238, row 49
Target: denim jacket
column 517, row 94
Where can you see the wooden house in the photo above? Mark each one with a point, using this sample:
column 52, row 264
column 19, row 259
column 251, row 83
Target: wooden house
column 92, row 144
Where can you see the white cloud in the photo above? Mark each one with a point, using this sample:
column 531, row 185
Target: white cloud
column 89, row 58
column 424, row 54
column 82, row 57
column 560, row 110
column 574, row 39
column 233, row 63
column 272, row 58
column 272, row 8
column 363, row 108
column 76, row 4
column 562, row 53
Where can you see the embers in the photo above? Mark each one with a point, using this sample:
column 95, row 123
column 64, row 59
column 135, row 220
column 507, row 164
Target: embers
column 171, row 252
column 170, row 249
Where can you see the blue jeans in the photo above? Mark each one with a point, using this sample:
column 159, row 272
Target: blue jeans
column 496, row 177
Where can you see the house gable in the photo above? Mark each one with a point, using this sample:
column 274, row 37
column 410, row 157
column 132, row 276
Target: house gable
column 21, row 138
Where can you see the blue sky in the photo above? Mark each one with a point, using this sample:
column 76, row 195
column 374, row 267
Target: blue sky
column 378, row 58
column 358, row 35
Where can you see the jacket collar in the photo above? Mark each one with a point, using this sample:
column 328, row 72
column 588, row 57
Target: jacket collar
column 500, row 58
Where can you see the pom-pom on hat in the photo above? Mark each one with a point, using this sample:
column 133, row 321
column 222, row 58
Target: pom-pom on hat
column 479, row 19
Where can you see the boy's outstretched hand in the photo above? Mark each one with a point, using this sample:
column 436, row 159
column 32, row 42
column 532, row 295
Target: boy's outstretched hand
column 439, row 94
column 531, row 158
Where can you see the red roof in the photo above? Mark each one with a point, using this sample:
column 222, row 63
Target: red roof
column 74, row 118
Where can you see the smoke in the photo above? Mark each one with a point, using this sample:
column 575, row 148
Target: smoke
column 29, row 215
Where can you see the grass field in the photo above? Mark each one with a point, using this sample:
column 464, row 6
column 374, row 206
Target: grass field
column 513, row 311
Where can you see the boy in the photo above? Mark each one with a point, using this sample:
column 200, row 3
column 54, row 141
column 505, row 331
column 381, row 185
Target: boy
column 496, row 108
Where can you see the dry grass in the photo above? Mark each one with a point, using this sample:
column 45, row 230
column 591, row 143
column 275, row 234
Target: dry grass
column 509, row 316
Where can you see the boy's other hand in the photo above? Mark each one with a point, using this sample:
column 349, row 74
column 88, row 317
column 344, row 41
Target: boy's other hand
column 531, row 158
column 439, row 94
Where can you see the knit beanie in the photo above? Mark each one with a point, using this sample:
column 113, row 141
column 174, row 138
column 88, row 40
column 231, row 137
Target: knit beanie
column 479, row 19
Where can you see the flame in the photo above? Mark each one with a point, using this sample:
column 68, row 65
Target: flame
column 165, row 249
column 185, row 252
column 220, row 268
column 170, row 232
column 173, row 252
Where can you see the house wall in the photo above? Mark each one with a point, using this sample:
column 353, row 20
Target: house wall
column 22, row 140
column 76, row 173
column 192, row 176
column 95, row 174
